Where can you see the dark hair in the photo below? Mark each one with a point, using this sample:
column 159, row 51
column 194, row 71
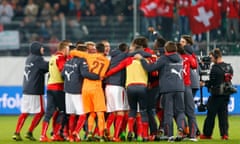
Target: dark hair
column 160, row 42
column 170, row 46
column 142, row 41
column 100, row 47
column 180, row 49
column 188, row 38
column 81, row 46
column 123, row 47
column 216, row 53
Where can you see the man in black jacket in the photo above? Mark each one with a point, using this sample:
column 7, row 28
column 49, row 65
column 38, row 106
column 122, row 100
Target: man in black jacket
column 33, row 90
column 217, row 102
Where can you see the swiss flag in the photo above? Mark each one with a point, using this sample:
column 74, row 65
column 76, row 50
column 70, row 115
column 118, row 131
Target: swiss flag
column 204, row 16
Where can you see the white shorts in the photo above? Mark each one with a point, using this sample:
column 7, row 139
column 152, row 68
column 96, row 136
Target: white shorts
column 74, row 104
column 32, row 103
column 116, row 97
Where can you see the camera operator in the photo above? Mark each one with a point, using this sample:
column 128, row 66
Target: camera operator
column 217, row 102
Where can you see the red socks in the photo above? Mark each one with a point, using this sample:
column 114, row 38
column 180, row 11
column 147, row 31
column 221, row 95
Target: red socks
column 131, row 122
column 44, row 128
column 21, row 120
column 118, row 125
column 36, row 119
column 80, row 122
column 110, row 120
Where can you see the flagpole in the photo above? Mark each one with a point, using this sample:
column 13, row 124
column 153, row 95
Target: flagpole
column 208, row 42
column 134, row 18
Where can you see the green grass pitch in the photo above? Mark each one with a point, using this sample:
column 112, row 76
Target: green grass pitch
column 8, row 123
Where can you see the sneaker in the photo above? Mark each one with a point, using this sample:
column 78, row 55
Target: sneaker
column 44, row 139
column 151, row 137
column 29, row 136
column 57, row 138
column 171, row 139
column 198, row 133
column 163, row 138
column 70, row 138
column 116, row 139
column 160, row 132
column 90, row 137
column 180, row 135
column 17, row 137
column 76, row 137
column 106, row 132
column 224, row 137
column 202, row 136
column 130, row 136
column 193, row 139
column 102, row 139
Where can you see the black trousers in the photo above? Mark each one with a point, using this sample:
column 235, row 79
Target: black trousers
column 137, row 94
column 55, row 101
column 216, row 106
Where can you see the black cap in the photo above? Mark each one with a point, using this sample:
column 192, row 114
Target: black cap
column 35, row 48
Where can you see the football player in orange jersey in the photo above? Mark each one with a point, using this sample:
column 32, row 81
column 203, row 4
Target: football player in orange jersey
column 92, row 92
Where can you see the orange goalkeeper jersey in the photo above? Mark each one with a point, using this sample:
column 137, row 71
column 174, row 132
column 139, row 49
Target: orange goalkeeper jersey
column 97, row 64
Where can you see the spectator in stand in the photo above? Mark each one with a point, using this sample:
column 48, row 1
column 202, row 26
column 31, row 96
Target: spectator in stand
column 165, row 11
column 27, row 28
column 104, row 7
column 183, row 21
column 121, row 29
column 33, row 91
column 47, row 12
column 53, row 44
column 46, row 30
column 78, row 10
column 56, row 9
column 149, row 10
column 6, row 12
column 91, row 10
column 57, row 23
column 233, row 14
column 18, row 13
column 31, row 10
column 18, row 10
column 101, row 30
column 64, row 6
column 77, row 30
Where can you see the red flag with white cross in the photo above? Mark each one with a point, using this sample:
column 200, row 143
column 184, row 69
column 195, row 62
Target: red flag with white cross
column 204, row 16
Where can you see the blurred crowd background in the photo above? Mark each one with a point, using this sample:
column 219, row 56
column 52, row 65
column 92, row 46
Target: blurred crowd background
column 50, row 21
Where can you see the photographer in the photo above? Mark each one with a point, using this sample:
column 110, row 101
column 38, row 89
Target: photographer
column 218, row 101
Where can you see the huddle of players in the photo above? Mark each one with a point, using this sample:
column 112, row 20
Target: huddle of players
column 134, row 80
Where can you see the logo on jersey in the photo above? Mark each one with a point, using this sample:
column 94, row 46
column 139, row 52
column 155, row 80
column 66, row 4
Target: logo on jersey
column 179, row 74
column 68, row 74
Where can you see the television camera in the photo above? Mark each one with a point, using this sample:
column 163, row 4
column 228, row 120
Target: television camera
column 204, row 64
